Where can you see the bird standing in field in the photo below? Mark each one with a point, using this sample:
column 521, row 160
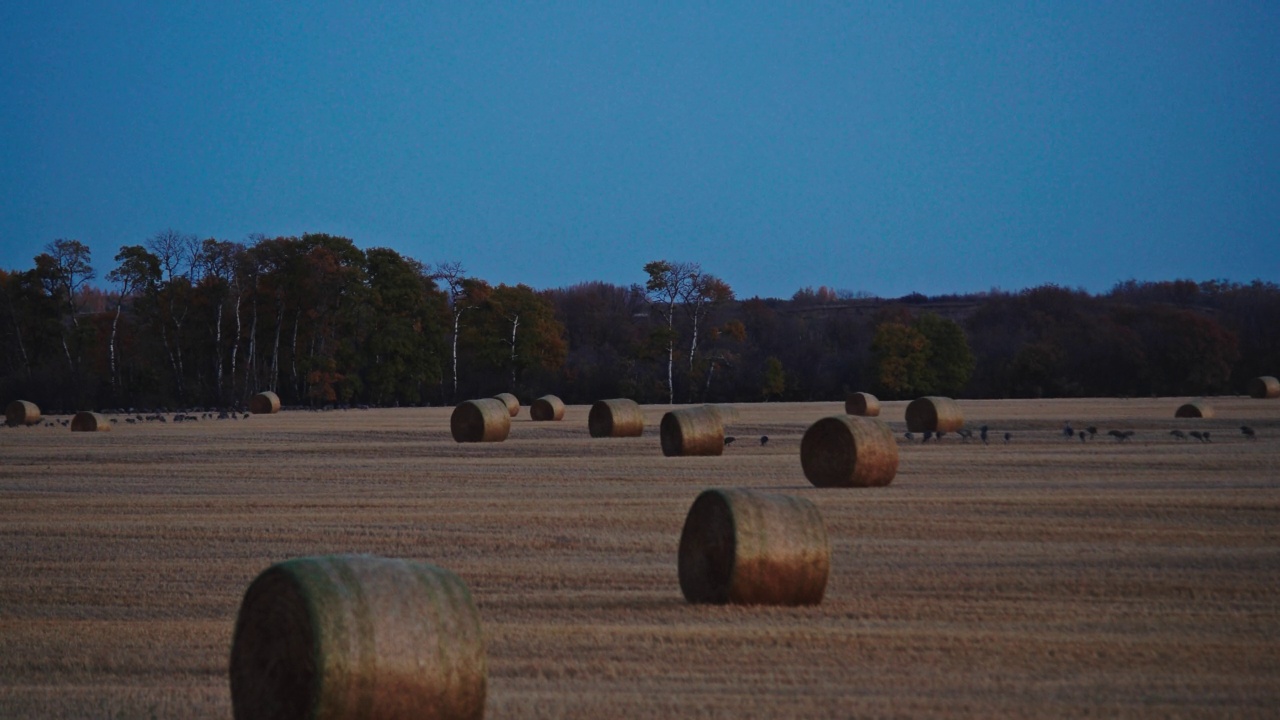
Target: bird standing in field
column 729, row 440
column 1007, row 437
column 1067, row 432
column 1248, row 432
column 927, row 435
column 909, row 435
column 1178, row 434
column 1092, row 430
column 983, row 434
column 1196, row 434
column 764, row 440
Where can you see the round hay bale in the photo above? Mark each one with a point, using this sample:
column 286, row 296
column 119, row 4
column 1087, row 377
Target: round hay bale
column 692, row 431
column 751, row 548
column 937, row 414
column 848, row 451
column 484, row 420
column 21, row 412
column 264, row 403
column 1194, row 409
column 728, row 414
column 357, row 636
column 547, row 407
column 1264, row 387
column 511, row 401
column 862, row 404
column 616, row 418
column 86, row 421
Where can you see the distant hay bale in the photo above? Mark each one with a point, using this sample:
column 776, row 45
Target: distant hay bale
column 751, row 548
column 692, row 431
column 1194, row 409
column 728, row 414
column 511, row 401
column 1265, row 387
column 86, row 421
column 21, row 412
column 862, row 404
column 848, row 451
column 357, row 636
column 616, row 418
column 264, row 403
column 484, row 420
column 547, row 407
column 936, row 414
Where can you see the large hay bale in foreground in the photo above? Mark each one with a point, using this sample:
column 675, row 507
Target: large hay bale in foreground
column 936, row 414
column 1194, row 409
column 728, row 414
column 264, row 403
column 1264, row 387
column 511, row 401
column 357, row 636
column 746, row 547
column 616, row 418
column 483, row 420
column 21, row 412
column 86, row 421
column 862, row 404
column 692, row 431
column 848, row 451
column 547, row 408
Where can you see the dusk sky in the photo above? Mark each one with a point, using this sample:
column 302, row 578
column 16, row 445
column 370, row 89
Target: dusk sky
column 885, row 147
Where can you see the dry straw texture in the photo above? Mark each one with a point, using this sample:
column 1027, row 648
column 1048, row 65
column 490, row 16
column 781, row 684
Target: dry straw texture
column 264, row 403
column 86, row 421
column 22, row 412
column 751, row 548
column 692, row 431
column 936, row 414
column 547, row 407
column 357, row 636
column 847, row 451
column 862, row 404
column 484, row 420
column 1194, row 409
column 728, row 414
column 511, row 401
column 1265, row 387
column 616, row 418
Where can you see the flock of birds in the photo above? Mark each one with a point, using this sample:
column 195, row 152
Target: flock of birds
column 156, row 417
column 764, row 440
column 1085, row 434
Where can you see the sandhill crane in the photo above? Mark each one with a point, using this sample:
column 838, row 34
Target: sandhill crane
column 983, row 434
column 1092, row 430
column 1067, row 432
column 1248, row 432
column 909, row 435
column 927, row 434
column 764, row 440
column 1007, row 437
column 1196, row 434
column 1178, row 434
column 729, row 440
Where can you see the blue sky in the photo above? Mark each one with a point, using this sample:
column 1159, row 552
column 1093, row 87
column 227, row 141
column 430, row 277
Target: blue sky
column 885, row 147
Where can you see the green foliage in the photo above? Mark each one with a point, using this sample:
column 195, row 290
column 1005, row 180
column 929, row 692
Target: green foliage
column 900, row 356
column 948, row 359
column 773, row 381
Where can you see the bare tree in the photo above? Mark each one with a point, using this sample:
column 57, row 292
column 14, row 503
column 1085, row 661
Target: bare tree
column 668, row 282
column 701, row 294
column 454, row 277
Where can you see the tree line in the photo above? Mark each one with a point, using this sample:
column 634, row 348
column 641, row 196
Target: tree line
column 185, row 322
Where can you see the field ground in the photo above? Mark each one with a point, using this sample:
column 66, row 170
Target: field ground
column 1043, row 577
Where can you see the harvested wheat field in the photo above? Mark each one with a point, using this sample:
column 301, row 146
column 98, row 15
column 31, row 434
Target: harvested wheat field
column 1045, row 576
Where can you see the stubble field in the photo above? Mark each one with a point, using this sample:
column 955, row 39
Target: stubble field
column 1043, row 577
